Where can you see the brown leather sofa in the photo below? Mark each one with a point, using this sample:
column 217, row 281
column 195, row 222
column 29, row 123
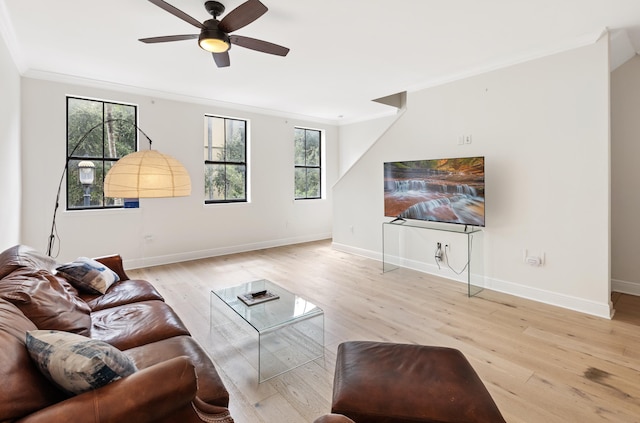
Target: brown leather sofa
column 175, row 379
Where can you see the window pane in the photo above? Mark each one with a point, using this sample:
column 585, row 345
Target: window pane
column 97, row 189
column 214, row 182
column 108, row 201
column 120, row 134
column 299, row 146
column 215, row 139
column 74, row 189
column 235, row 140
column 236, row 182
column 87, row 195
column 225, row 182
column 301, row 182
column 313, row 183
column 313, row 148
column 82, row 115
column 207, row 138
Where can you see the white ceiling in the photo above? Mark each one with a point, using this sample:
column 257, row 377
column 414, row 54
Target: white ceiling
column 344, row 53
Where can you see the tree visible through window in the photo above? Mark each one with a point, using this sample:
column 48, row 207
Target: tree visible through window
column 113, row 136
column 225, row 160
column 308, row 170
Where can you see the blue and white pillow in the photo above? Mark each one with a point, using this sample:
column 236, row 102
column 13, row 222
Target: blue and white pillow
column 76, row 363
column 88, row 275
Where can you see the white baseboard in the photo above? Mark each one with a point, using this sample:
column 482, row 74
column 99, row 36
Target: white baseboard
column 429, row 268
column 222, row 251
column 625, row 287
column 582, row 305
column 357, row 251
column 604, row 310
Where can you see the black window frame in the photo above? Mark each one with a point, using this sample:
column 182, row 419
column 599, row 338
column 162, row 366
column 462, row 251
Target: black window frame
column 71, row 156
column 307, row 166
column 210, row 161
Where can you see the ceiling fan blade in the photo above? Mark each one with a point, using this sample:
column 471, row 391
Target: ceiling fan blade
column 177, row 12
column 221, row 59
column 168, row 38
column 258, row 45
column 242, row 16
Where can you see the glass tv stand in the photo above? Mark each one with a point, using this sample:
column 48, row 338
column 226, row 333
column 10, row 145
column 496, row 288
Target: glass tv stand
column 411, row 244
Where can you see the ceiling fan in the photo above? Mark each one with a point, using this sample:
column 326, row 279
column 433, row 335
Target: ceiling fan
column 214, row 34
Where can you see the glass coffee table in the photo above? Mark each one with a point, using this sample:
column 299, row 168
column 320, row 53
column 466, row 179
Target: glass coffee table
column 290, row 329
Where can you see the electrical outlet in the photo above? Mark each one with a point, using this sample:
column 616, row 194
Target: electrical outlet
column 533, row 260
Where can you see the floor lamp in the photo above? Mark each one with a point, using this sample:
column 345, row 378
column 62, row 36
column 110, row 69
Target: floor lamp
column 143, row 174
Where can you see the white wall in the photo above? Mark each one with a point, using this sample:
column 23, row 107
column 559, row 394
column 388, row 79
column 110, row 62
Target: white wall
column 543, row 127
column 10, row 179
column 625, row 177
column 181, row 228
column 357, row 138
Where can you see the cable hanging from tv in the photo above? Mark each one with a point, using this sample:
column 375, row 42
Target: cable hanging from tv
column 446, row 258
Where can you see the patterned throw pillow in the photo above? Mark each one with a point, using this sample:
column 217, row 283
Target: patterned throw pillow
column 88, row 275
column 76, row 363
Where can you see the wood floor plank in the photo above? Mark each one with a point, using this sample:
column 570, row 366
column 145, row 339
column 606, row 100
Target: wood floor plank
column 540, row 363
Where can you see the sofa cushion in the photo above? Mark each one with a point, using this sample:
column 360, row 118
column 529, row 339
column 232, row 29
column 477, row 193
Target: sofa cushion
column 24, row 389
column 13, row 321
column 88, row 275
column 136, row 324
column 48, row 301
column 121, row 293
column 24, row 256
column 76, row 363
column 210, row 386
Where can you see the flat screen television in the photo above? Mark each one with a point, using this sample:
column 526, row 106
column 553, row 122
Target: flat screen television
column 440, row 190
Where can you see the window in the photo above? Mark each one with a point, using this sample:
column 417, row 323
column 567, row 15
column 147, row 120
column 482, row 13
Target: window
column 308, row 166
column 225, row 160
column 98, row 134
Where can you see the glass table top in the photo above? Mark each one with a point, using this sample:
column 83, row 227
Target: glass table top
column 270, row 314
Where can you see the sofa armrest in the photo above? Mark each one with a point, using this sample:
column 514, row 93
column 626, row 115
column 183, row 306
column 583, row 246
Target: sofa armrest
column 114, row 262
column 145, row 396
column 333, row 418
column 211, row 413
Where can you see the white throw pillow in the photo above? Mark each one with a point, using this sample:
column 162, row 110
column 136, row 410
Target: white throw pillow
column 88, row 275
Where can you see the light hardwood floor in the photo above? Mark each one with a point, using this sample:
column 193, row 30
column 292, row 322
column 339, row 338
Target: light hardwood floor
column 540, row 363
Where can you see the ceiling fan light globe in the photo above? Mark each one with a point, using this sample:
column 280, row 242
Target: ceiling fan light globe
column 214, row 41
column 214, row 45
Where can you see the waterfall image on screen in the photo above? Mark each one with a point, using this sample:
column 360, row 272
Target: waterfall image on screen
column 443, row 190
